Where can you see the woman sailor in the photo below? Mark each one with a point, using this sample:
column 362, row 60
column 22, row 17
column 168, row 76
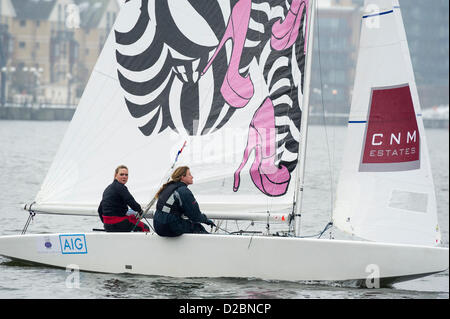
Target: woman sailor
column 113, row 209
column 177, row 211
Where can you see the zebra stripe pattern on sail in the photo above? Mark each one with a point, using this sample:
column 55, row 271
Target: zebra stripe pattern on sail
column 160, row 62
column 159, row 71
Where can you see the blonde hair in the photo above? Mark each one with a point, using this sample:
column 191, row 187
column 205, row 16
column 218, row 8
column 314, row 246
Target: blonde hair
column 176, row 176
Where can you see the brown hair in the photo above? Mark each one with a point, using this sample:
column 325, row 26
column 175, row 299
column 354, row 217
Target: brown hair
column 119, row 168
column 176, row 176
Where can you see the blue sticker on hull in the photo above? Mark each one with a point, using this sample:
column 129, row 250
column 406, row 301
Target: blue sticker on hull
column 73, row 244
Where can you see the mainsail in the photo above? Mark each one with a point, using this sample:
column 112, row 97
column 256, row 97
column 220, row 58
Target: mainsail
column 224, row 76
column 386, row 191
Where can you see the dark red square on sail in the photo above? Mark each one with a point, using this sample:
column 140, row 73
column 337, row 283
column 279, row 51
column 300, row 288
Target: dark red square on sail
column 392, row 141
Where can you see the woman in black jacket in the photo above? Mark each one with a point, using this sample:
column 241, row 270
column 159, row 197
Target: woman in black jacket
column 113, row 209
column 177, row 211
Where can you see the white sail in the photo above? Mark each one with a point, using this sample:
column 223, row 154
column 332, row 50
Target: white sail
column 164, row 78
column 385, row 191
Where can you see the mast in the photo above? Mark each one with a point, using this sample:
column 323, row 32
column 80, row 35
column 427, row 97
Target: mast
column 304, row 124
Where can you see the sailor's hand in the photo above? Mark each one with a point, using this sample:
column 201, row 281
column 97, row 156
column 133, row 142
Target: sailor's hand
column 210, row 223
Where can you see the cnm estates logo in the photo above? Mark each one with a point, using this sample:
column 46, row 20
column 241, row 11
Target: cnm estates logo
column 392, row 141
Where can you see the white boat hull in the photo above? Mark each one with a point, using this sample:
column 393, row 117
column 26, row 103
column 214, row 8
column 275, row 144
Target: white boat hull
column 192, row 255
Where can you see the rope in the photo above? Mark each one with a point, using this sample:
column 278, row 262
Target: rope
column 321, row 233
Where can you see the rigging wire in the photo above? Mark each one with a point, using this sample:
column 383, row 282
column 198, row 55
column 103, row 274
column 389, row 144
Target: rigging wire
column 325, row 122
column 30, row 218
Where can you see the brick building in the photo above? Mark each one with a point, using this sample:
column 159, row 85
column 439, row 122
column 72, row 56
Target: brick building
column 51, row 47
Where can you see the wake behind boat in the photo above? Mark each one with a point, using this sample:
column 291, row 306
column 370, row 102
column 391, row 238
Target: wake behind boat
column 242, row 107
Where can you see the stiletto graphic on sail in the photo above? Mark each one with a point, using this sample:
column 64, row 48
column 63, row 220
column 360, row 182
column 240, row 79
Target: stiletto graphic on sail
column 236, row 89
column 284, row 34
column 269, row 178
column 204, row 76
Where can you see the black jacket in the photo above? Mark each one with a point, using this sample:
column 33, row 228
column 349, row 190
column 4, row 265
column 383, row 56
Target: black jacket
column 115, row 201
column 177, row 212
column 184, row 203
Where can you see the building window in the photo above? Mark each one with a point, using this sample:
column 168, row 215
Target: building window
column 23, row 23
column 64, row 50
column 22, row 44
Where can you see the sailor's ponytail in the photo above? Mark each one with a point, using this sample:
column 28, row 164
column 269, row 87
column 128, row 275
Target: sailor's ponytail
column 176, row 176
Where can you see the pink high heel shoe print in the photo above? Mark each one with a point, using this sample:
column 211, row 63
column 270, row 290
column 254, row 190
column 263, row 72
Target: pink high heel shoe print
column 285, row 33
column 236, row 90
column 267, row 177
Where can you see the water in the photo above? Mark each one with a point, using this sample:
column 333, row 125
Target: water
column 27, row 149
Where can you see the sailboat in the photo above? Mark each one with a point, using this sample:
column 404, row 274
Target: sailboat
column 232, row 80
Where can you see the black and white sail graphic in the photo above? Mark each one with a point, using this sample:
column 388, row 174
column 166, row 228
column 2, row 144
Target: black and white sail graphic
column 193, row 66
column 162, row 56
